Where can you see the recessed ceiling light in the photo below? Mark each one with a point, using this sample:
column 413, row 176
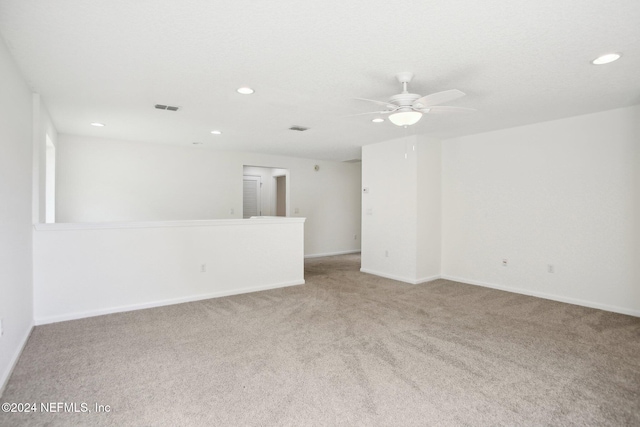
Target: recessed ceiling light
column 100, row 125
column 378, row 120
column 605, row 59
column 216, row 132
column 197, row 143
column 245, row 90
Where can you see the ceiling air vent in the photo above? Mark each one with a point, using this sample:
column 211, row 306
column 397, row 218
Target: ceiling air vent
column 166, row 107
column 298, row 128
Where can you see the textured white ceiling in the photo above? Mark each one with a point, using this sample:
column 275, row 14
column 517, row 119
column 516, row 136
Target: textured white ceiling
column 519, row 62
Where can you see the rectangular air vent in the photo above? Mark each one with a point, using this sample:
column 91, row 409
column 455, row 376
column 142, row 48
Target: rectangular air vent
column 298, row 128
column 166, row 107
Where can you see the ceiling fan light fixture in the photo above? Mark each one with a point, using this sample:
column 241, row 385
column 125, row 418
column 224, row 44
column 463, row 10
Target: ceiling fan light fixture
column 405, row 118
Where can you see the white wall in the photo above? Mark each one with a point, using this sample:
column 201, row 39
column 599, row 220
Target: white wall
column 42, row 126
column 563, row 192
column 635, row 229
column 389, row 209
column 401, row 211
column 16, row 291
column 429, row 208
column 106, row 180
column 88, row 270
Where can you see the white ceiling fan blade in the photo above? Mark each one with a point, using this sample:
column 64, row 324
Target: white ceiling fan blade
column 386, row 104
column 442, row 109
column 438, row 98
column 374, row 112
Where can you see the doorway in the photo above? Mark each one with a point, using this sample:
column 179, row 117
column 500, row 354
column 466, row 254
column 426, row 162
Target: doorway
column 281, row 195
column 265, row 191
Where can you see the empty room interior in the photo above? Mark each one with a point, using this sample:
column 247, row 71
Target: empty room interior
column 323, row 213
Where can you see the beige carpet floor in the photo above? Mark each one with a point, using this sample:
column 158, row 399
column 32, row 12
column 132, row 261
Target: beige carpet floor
column 347, row 349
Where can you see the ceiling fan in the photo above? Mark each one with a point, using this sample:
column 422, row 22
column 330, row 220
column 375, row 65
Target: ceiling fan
column 406, row 108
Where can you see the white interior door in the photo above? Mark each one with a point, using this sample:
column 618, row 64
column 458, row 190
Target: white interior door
column 251, row 196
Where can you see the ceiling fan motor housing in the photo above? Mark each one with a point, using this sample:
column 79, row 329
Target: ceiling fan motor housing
column 404, row 99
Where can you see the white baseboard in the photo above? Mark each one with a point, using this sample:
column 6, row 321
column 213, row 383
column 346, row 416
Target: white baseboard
column 355, row 251
column 427, row 279
column 99, row 312
column 400, row 278
column 4, row 379
column 553, row 297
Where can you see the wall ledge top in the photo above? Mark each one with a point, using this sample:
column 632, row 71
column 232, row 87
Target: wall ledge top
column 165, row 224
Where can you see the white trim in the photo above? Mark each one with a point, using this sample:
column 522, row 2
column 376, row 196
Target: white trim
column 132, row 307
column 575, row 301
column 427, row 279
column 162, row 224
column 355, row 251
column 399, row 278
column 6, row 375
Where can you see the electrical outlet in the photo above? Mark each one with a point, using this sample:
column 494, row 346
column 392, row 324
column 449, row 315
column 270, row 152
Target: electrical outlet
column 551, row 268
column 386, row 254
column 504, row 262
column 355, row 237
column 203, row 268
column 296, row 211
column 232, row 211
column 1, row 329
